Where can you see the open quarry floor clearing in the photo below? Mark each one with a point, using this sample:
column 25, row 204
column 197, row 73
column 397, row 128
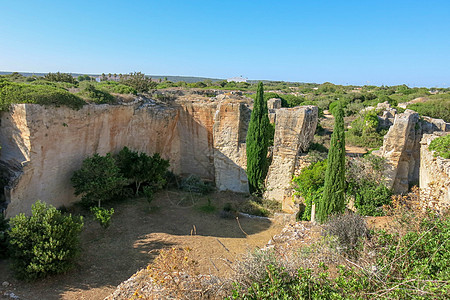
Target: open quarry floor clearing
column 134, row 239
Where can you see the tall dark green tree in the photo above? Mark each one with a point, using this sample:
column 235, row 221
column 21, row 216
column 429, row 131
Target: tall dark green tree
column 332, row 200
column 258, row 136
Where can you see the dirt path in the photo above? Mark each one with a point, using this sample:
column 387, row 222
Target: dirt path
column 134, row 239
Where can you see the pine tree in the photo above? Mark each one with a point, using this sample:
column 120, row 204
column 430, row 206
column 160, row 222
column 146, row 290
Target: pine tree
column 333, row 196
column 258, row 143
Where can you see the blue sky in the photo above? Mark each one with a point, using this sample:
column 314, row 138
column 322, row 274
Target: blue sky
column 344, row 42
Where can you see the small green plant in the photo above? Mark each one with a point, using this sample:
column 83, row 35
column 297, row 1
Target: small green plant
column 441, row 145
column 148, row 193
column 102, row 215
column 195, row 184
column 207, row 208
column 45, row 243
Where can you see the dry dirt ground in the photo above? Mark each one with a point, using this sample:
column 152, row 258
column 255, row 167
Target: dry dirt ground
column 136, row 235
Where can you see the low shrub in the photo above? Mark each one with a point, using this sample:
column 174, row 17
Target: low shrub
column 228, row 211
column 349, row 228
column 278, row 284
column 102, row 215
column 365, row 132
column 441, row 145
column 91, row 94
column 195, row 184
column 45, row 243
column 115, row 87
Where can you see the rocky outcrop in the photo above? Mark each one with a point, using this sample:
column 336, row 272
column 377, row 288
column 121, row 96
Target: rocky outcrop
column 294, row 131
column 434, row 176
column 400, row 148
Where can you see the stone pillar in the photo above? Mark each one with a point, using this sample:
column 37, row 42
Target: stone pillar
column 229, row 134
column 294, row 131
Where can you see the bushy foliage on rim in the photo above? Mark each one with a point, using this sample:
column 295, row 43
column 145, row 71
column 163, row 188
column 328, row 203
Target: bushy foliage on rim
column 13, row 92
column 45, row 243
column 441, row 145
column 257, row 142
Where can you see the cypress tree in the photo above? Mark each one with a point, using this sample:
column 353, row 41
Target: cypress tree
column 258, row 143
column 333, row 196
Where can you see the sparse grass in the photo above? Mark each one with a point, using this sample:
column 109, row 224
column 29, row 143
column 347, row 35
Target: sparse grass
column 207, row 208
column 260, row 207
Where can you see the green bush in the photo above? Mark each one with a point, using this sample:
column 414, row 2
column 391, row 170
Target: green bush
column 12, row 92
column 45, row 243
column 102, row 215
column 365, row 184
column 441, row 145
column 99, row 179
column 309, row 184
column 138, row 81
column 91, row 94
column 60, row 77
column 278, row 284
column 115, row 87
column 365, row 132
column 140, row 168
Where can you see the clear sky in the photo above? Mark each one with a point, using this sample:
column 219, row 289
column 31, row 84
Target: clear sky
column 345, row 42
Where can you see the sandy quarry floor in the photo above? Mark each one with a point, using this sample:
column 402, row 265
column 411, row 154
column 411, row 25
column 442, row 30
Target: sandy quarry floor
column 134, row 239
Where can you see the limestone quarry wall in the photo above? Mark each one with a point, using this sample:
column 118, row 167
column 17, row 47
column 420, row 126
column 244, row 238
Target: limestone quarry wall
column 434, row 176
column 43, row 146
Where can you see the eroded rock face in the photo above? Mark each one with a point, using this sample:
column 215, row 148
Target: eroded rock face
column 434, row 176
column 294, row 131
